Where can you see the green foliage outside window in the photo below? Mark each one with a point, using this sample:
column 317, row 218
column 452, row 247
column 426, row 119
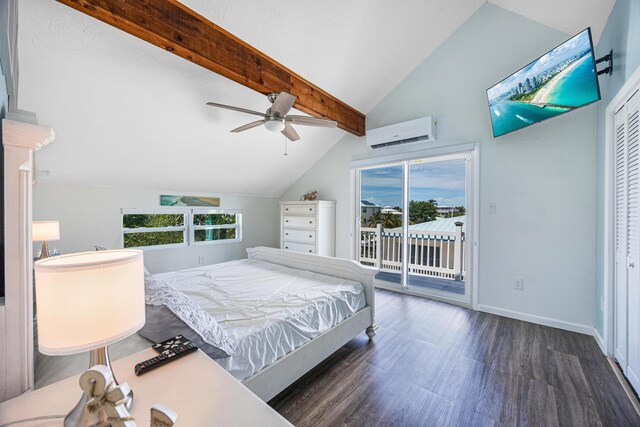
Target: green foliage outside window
column 214, row 234
column 132, row 240
column 387, row 219
column 460, row 211
column 422, row 211
column 133, row 221
column 419, row 211
column 152, row 220
column 214, row 219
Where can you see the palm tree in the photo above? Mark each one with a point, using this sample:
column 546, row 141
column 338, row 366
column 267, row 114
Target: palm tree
column 388, row 220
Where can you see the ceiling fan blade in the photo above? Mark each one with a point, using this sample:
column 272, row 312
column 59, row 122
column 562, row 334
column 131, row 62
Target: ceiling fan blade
column 290, row 132
column 248, row 126
column 311, row 121
column 242, row 110
column 283, row 104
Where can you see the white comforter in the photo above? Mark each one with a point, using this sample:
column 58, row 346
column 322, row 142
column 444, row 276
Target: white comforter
column 267, row 310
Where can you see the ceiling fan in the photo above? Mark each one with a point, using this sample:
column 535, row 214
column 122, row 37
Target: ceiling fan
column 275, row 119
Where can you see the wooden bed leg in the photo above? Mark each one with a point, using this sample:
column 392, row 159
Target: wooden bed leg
column 371, row 330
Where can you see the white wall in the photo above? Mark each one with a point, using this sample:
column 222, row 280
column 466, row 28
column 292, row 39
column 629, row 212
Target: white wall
column 622, row 34
column 542, row 179
column 91, row 216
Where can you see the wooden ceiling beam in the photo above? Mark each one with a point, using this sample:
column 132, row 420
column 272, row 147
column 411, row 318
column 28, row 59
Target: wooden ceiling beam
column 172, row 26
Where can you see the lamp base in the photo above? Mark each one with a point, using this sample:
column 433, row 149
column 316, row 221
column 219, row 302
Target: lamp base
column 44, row 252
column 79, row 416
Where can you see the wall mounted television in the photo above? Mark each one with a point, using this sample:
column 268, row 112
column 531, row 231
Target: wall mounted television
column 561, row 80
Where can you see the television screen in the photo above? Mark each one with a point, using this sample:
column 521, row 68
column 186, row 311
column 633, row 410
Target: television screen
column 561, row 80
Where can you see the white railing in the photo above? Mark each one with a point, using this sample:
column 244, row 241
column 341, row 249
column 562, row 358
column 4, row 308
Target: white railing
column 431, row 254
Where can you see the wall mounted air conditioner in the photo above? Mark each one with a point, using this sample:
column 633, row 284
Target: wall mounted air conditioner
column 418, row 130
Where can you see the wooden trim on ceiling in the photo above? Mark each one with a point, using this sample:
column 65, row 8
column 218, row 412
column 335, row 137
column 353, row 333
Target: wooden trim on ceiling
column 175, row 28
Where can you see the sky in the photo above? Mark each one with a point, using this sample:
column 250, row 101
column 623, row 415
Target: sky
column 571, row 47
column 441, row 181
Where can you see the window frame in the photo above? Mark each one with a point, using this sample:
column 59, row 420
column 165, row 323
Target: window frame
column 204, row 211
column 188, row 229
column 156, row 211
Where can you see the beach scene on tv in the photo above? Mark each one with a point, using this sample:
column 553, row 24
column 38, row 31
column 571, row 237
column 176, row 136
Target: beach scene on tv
column 559, row 81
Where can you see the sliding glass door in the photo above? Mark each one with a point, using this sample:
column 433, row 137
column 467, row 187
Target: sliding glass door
column 381, row 200
column 413, row 224
column 437, row 229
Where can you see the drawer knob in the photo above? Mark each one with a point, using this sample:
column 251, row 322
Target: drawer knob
column 286, row 220
column 310, row 209
column 286, row 247
column 286, row 209
column 310, row 251
column 310, row 235
column 286, row 234
column 310, row 222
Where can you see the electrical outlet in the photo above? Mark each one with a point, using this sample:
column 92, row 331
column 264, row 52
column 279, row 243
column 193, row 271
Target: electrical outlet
column 200, row 259
column 518, row 284
column 492, row 208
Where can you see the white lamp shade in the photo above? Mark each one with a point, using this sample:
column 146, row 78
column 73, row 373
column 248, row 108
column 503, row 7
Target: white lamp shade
column 45, row 231
column 88, row 300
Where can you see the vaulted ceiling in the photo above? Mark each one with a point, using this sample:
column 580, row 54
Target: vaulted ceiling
column 127, row 113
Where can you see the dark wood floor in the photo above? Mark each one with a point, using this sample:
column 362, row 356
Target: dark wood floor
column 434, row 364
column 424, row 283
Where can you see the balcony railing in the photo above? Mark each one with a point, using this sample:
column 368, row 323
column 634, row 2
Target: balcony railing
column 431, row 254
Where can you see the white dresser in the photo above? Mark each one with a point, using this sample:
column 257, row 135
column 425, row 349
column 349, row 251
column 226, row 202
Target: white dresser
column 308, row 227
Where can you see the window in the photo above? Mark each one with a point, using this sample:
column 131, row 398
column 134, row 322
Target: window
column 215, row 225
column 163, row 228
column 152, row 228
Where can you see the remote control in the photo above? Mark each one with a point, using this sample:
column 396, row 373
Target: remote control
column 164, row 358
column 172, row 344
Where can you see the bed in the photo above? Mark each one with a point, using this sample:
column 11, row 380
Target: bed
column 284, row 312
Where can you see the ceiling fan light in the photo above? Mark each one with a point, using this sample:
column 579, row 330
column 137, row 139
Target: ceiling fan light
column 274, row 125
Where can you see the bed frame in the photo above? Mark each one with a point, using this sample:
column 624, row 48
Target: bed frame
column 273, row 379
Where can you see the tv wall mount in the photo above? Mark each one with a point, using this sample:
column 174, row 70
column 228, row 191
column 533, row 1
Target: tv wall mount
column 608, row 58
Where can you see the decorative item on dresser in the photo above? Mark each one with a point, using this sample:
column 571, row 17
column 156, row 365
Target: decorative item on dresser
column 308, row 226
column 310, row 195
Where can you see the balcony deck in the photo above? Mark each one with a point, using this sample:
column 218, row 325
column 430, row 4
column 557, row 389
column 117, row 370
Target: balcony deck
column 431, row 283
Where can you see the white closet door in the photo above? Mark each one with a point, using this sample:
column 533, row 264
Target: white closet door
column 633, row 241
column 620, row 292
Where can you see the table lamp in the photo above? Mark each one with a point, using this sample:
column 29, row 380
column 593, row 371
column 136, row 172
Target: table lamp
column 45, row 231
column 86, row 301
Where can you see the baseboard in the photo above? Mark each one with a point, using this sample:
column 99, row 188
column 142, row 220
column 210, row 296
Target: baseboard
column 633, row 398
column 540, row 320
column 600, row 341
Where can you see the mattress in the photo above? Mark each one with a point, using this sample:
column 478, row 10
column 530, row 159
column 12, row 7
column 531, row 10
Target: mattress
column 267, row 310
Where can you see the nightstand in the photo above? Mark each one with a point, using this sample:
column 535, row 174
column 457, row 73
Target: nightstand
column 194, row 386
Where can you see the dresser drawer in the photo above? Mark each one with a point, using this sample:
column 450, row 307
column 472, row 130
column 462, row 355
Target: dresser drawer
column 294, row 235
column 299, row 209
column 299, row 247
column 299, row 221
